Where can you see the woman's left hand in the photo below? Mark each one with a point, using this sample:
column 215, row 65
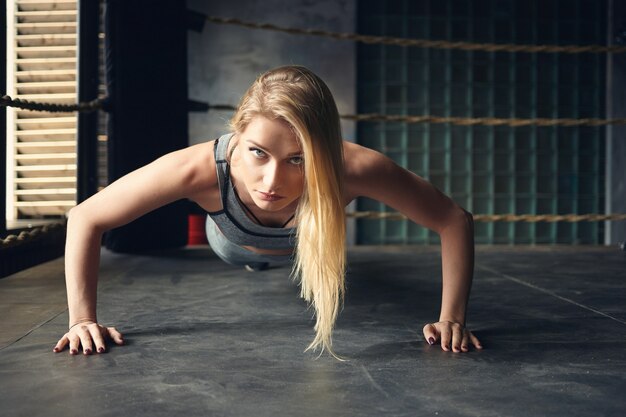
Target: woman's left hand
column 452, row 336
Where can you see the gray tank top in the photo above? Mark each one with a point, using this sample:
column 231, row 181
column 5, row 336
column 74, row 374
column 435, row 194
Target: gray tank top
column 232, row 220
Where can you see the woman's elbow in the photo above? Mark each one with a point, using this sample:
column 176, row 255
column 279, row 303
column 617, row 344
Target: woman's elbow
column 75, row 217
column 79, row 217
column 469, row 218
column 458, row 219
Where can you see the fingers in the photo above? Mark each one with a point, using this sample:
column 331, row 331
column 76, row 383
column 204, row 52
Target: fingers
column 458, row 332
column 430, row 334
column 61, row 344
column 475, row 341
column 97, row 334
column 115, row 335
column 452, row 336
column 85, row 338
column 90, row 336
column 74, row 342
column 446, row 336
column 464, row 341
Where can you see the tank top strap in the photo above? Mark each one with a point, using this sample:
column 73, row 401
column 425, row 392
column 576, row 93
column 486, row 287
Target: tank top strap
column 220, row 149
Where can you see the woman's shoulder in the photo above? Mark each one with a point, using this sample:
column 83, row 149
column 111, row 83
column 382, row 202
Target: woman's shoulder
column 364, row 168
column 361, row 161
column 201, row 180
column 197, row 156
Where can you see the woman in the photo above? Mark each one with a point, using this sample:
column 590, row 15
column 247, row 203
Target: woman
column 275, row 189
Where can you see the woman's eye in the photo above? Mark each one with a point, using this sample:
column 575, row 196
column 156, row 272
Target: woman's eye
column 257, row 152
column 296, row 160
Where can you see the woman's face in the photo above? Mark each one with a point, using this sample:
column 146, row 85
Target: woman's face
column 271, row 164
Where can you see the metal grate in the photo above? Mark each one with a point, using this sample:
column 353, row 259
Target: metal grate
column 488, row 170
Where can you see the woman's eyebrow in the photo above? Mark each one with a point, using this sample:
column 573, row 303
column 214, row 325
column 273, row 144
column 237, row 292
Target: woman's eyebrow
column 253, row 143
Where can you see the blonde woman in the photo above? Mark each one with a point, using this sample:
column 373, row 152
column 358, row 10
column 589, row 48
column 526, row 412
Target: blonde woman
column 275, row 190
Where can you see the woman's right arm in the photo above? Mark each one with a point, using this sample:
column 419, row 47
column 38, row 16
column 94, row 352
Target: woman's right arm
column 182, row 174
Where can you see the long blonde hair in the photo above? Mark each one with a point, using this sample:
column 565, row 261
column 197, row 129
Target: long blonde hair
column 299, row 97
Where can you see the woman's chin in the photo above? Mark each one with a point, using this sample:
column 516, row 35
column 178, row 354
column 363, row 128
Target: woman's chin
column 272, row 205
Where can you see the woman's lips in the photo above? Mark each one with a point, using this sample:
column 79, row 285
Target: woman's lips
column 270, row 197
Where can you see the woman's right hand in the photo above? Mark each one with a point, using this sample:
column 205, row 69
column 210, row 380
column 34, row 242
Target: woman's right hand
column 89, row 335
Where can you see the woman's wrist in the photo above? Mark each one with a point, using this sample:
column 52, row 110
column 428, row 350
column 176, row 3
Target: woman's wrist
column 449, row 319
column 82, row 321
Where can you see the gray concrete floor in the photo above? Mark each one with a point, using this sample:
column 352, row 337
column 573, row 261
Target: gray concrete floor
column 205, row 338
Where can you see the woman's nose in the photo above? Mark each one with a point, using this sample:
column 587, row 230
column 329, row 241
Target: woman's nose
column 271, row 176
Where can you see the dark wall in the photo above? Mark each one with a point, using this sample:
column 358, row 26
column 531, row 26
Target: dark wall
column 146, row 59
column 88, row 85
column 3, row 119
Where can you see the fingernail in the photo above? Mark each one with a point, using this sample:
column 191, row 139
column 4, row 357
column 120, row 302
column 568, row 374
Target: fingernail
column 431, row 341
column 55, row 350
column 87, row 351
column 100, row 349
column 73, row 351
column 464, row 347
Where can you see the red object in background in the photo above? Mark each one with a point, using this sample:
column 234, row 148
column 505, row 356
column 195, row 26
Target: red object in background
column 197, row 234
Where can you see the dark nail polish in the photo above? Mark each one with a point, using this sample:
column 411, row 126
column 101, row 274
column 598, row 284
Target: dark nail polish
column 431, row 341
column 87, row 351
column 100, row 349
column 73, row 351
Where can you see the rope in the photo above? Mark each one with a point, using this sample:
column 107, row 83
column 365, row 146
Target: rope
column 35, row 233
column 485, row 121
column 530, row 218
column 30, row 235
column 370, row 117
column 422, row 43
column 89, row 106
column 464, row 121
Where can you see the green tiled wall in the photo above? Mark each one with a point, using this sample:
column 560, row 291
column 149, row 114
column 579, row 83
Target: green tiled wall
column 488, row 170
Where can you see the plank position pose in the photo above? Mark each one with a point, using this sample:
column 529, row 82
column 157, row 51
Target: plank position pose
column 275, row 190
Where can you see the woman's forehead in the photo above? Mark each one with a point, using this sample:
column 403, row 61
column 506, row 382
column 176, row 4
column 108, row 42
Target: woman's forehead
column 271, row 133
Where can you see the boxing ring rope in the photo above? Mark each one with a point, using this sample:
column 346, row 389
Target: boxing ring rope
column 31, row 235
column 530, row 218
column 100, row 104
column 420, row 43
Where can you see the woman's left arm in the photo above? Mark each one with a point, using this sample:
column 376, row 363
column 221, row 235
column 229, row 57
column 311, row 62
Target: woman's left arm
column 371, row 174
